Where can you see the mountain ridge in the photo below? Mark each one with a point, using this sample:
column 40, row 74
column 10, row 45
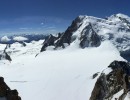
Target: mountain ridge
column 114, row 28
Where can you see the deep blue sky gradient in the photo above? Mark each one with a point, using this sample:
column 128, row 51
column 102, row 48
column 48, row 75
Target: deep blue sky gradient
column 50, row 16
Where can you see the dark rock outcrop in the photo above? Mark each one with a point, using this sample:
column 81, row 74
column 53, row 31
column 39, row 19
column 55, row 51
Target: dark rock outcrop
column 95, row 75
column 5, row 55
column 6, row 93
column 89, row 38
column 49, row 42
column 62, row 37
column 23, row 44
column 100, row 89
column 66, row 37
column 108, row 85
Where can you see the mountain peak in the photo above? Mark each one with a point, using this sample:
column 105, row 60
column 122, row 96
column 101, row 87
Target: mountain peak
column 119, row 17
column 81, row 16
column 122, row 15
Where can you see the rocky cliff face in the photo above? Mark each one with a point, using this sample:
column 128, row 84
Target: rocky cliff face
column 108, row 85
column 49, row 42
column 4, row 55
column 6, row 93
column 89, row 37
column 86, row 35
column 88, row 31
column 67, row 36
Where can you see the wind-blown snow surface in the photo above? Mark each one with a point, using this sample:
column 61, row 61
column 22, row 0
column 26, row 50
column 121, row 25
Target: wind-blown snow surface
column 56, row 75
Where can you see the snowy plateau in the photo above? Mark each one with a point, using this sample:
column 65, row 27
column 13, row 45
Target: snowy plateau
column 65, row 64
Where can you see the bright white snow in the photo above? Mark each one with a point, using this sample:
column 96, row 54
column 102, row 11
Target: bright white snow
column 56, row 75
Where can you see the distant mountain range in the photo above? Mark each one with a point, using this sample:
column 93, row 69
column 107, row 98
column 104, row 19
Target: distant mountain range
column 28, row 38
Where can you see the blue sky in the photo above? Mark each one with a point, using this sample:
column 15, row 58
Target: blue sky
column 51, row 16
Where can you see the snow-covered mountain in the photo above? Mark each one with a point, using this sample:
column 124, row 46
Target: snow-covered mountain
column 82, row 63
column 88, row 31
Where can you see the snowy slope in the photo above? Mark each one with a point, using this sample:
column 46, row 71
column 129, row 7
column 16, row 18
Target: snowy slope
column 57, row 75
